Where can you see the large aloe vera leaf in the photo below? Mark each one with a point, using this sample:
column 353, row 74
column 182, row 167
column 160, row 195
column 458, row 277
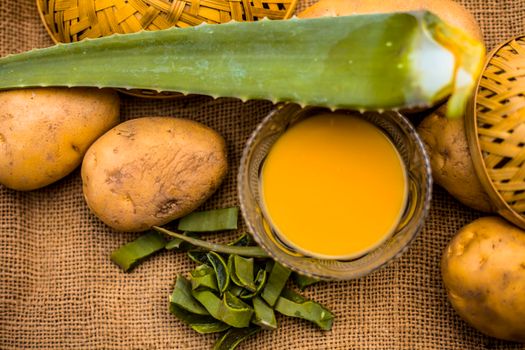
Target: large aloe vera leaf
column 379, row 61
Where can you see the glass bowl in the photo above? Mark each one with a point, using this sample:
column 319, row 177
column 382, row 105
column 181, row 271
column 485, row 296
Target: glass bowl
column 419, row 185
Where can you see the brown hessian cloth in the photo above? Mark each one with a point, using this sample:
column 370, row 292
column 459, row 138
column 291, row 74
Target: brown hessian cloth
column 59, row 290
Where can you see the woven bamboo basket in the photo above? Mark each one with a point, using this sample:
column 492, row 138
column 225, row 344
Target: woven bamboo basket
column 495, row 127
column 74, row 20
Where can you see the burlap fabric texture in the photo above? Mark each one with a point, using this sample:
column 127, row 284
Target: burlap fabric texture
column 58, row 289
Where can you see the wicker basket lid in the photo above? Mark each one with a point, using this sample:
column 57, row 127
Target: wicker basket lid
column 74, row 20
column 495, row 127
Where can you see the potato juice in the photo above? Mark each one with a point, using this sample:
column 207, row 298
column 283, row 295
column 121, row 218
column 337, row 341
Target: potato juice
column 333, row 186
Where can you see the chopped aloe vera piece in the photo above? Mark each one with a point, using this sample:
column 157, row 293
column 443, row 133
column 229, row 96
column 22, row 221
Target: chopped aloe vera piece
column 131, row 254
column 295, row 305
column 200, row 323
column 256, row 252
column 303, row 281
column 241, row 272
column 212, row 327
column 221, row 271
column 204, row 277
column 181, row 297
column 235, row 289
column 260, row 282
column 198, row 256
column 211, row 220
column 233, row 275
column 374, row 61
column 234, row 337
column 276, row 281
column 229, row 309
column 263, row 314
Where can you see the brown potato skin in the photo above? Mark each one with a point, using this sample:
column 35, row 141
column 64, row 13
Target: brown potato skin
column 448, row 10
column 452, row 168
column 151, row 170
column 483, row 270
column 45, row 132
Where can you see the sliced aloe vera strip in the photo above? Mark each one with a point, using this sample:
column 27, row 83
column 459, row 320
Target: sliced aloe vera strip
column 198, row 256
column 276, row 282
column 221, row 271
column 212, row 327
column 200, row 323
column 182, row 298
column 294, row 305
column 374, row 61
column 256, row 252
column 210, row 220
column 263, row 314
column 303, row 281
column 233, row 337
column 131, row 254
column 204, row 277
column 235, row 289
column 230, row 309
column 241, row 272
column 260, row 282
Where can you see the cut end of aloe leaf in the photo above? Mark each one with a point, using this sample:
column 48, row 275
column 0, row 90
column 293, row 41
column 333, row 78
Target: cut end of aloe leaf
column 363, row 62
column 468, row 56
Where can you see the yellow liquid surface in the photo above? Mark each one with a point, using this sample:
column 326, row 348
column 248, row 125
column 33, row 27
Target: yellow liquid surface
column 333, row 186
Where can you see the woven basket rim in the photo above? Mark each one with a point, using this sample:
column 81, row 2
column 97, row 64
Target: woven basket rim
column 471, row 129
column 289, row 13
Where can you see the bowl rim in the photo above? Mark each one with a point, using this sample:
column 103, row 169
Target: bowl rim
column 389, row 258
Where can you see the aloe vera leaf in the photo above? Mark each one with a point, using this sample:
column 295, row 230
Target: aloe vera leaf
column 235, row 289
column 230, row 309
column 182, row 298
column 221, row 271
column 263, row 314
column 233, row 337
column 198, row 256
column 295, row 305
column 233, row 275
column 200, row 323
column 303, row 281
column 131, row 254
column 260, row 282
column 204, row 277
column 374, row 61
column 276, row 281
column 256, row 252
column 241, row 272
column 210, row 220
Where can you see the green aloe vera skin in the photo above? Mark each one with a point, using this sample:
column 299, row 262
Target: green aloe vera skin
column 131, row 254
column 235, row 289
column 210, row 220
column 372, row 62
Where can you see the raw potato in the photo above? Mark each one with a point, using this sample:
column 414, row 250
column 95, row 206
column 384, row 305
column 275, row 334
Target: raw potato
column 448, row 10
column 152, row 170
column 483, row 271
column 44, row 132
column 452, row 167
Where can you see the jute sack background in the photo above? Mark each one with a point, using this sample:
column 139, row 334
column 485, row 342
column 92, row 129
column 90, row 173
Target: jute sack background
column 58, row 289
